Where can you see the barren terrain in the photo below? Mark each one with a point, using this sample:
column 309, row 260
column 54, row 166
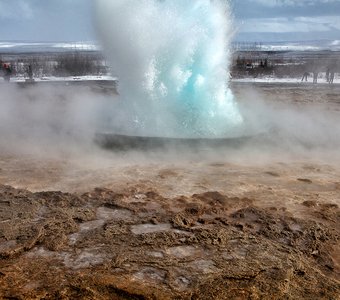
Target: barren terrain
column 247, row 223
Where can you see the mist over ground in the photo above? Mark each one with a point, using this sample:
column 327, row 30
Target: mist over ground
column 56, row 121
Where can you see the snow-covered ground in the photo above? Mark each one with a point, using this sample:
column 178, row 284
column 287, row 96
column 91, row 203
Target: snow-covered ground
column 271, row 79
column 63, row 79
column 318, row 45
column 266, row 79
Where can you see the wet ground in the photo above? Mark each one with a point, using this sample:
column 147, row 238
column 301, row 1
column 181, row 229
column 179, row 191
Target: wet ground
column 225, row 225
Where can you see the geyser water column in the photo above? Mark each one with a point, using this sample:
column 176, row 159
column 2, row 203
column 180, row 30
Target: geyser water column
column 172, row 60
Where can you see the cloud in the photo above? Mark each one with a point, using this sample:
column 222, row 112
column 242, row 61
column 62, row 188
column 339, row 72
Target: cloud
column 16, row 9
column 71, row 20
column 248, row 9
column 41, row 20
column 322, row 22
column 298, row 24
column 273, row 3
column 273, row 20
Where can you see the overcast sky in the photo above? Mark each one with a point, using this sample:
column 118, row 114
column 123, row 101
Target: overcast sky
column 288, row 20
column 255, row 20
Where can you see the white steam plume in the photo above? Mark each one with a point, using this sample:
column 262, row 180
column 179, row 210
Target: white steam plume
column 172, row 60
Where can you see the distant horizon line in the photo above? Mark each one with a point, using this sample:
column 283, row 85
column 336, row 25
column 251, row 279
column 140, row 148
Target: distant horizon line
column 47, row 42
column 97, row 42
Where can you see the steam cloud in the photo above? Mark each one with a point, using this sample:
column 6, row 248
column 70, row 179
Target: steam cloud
column 49, row 119
column 63, row 121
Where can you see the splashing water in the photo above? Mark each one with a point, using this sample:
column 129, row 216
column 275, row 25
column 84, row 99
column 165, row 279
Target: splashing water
column 172, row 60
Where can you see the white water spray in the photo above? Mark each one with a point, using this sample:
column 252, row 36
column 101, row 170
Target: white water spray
column 172, row 60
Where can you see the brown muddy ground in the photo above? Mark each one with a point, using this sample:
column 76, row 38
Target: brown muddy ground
column 131, row 226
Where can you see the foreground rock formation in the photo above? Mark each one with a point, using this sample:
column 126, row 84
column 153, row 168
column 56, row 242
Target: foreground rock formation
column 140, row 245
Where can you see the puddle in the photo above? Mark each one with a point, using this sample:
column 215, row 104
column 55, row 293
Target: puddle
column 41, row 252
column 138, row 198
column 295, row 227
column 154, row 206
column 236, row 253
column 204, row 266
column 149, row 228
column 105, row 213
column 181, row 283
column 184, row 251
column 87, row 258
column 183, row 232
column 73, row 238
column 91, row 225
column 151, row 275
column 31, row 286
column 8, row 246
column 155, row 254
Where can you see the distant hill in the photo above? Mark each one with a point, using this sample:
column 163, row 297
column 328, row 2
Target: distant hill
column 33, row 47
column 317, row 45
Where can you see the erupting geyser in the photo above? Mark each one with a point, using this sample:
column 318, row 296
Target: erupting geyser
column 172, row 60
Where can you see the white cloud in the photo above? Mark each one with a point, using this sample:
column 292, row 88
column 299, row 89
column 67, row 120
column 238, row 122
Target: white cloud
column 274, row 3
column 298, row 24
column 329, row 22
column 16, row 9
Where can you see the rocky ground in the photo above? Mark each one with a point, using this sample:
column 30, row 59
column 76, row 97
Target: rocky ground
column 130, row 226
column 141, row 245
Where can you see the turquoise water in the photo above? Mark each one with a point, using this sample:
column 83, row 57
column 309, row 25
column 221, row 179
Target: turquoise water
column 172, row 59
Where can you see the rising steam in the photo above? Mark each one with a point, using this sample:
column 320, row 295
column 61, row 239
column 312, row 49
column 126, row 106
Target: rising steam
column 172, row 60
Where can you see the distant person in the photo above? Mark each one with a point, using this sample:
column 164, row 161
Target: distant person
column 315, row 77
column 265, row 65
column 30, row 73
column 331, row 77
column 327, row 75
column 305, row 76
column 7, row 72
column 1, row 68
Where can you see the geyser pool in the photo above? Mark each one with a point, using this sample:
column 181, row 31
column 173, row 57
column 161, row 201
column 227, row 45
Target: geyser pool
column 172, row 60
